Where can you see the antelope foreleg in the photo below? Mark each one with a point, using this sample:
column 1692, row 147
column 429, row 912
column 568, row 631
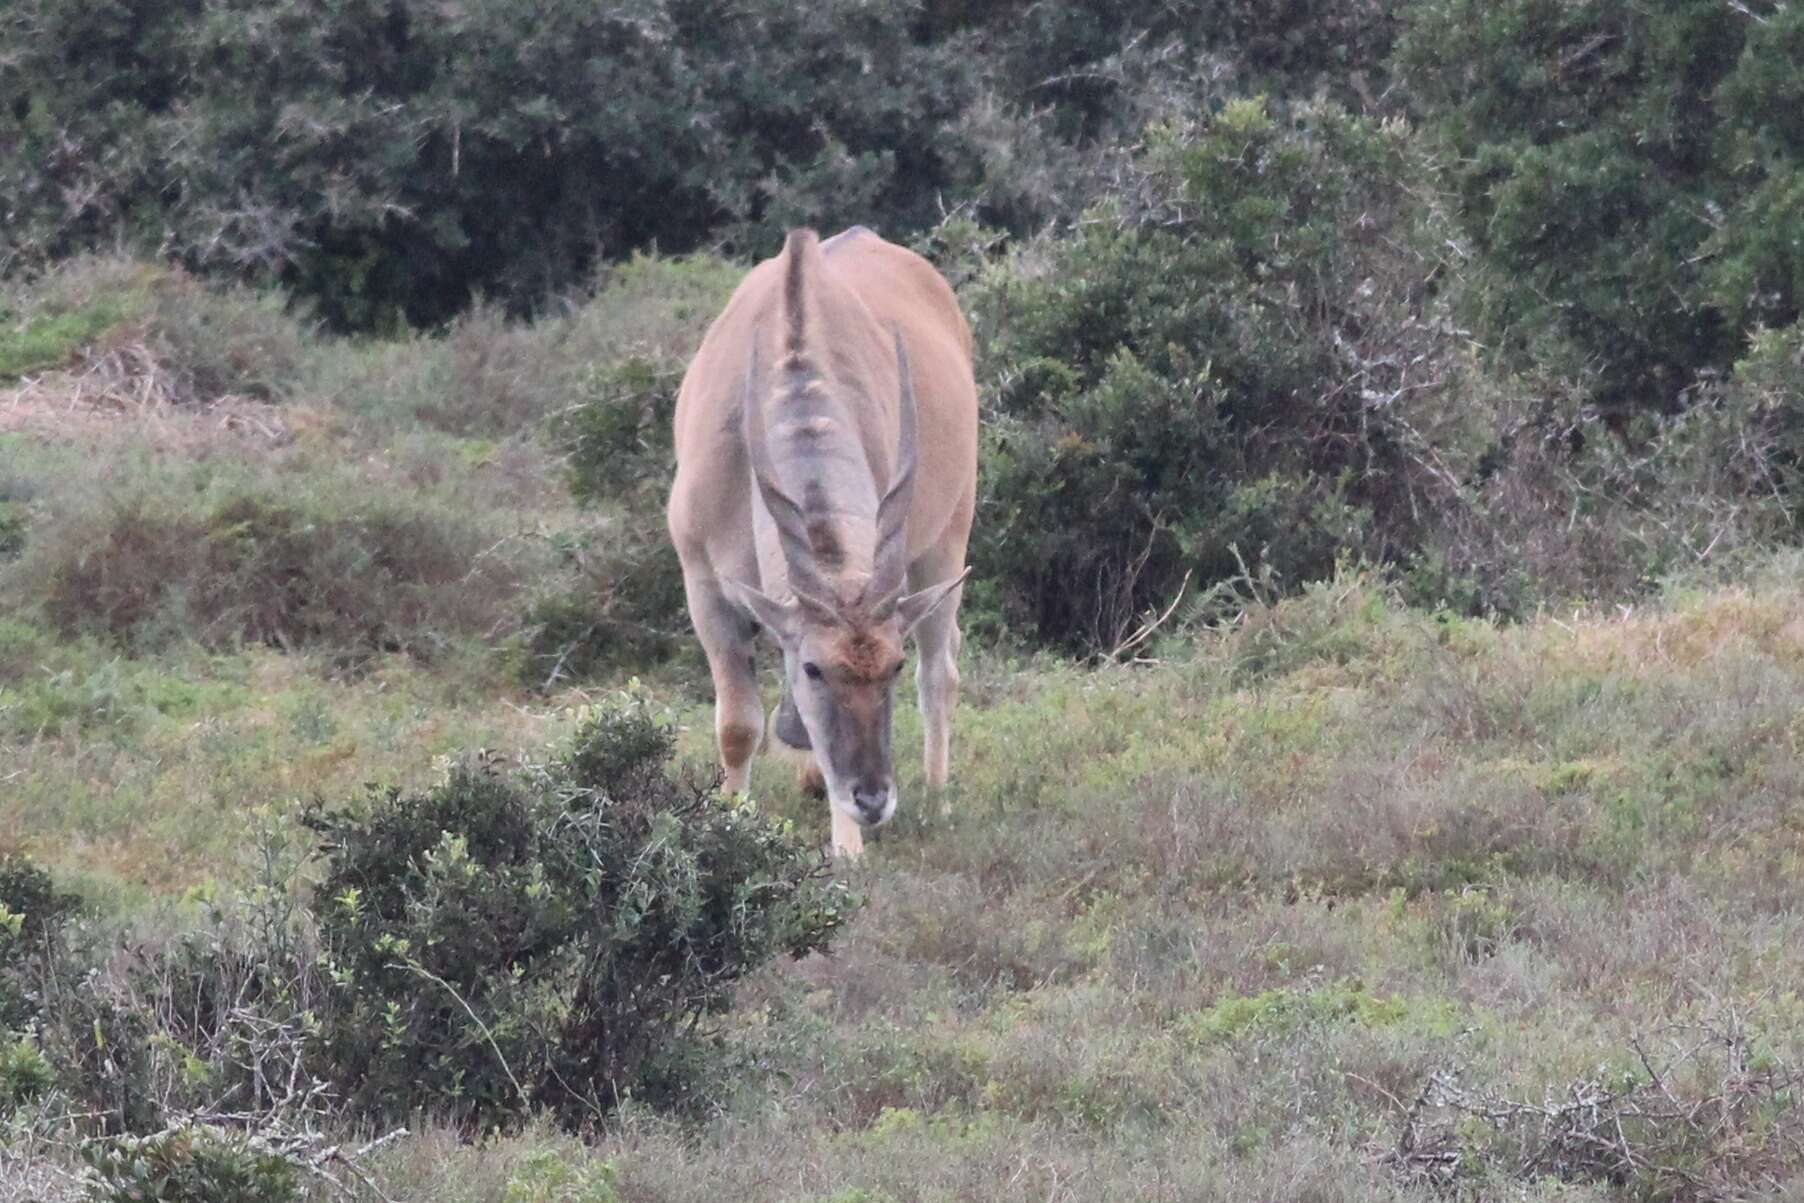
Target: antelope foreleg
column 848, row 836
column 726, row 638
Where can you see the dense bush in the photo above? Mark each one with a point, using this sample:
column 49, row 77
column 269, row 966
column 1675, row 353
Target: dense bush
column 505, row 944
column 619, row 433
column 1193, row 381
column 1629, row 174
column 621, row 599
column 1093, row 62
column 63, row 1034
column 618, row 603
column 391, row 162
column 505, row 941
column 32, row 913
column 191, row 1164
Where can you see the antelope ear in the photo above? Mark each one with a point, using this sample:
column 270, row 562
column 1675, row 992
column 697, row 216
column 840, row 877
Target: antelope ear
column 778, row 617
column 916, row 606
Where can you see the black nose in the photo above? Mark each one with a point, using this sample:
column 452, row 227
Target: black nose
column 870, row 801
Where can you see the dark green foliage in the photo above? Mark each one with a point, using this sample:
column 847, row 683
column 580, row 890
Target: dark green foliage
column 100, row 1045
column 1173, row 384
column 1628, row 172
column 1089, row 60
column 622, row 602
column 32, row 914
column 619, row 432
column 390, row 162
column 25, row 1075
column 1769, row 383
column 190, row 1164
column 536, row 939
column 15, row 525
column 623, row 606
column 86, row 1044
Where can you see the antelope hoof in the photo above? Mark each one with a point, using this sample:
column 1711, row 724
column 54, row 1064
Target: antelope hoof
column 848, row 838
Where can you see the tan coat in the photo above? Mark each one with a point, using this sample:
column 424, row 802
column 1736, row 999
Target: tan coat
column 812, row 339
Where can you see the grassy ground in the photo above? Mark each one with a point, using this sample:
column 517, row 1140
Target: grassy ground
column 1338, row 901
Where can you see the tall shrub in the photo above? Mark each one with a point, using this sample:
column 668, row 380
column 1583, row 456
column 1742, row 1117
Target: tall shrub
column 505, row 941
column 1629, row 173
column 1188, row 385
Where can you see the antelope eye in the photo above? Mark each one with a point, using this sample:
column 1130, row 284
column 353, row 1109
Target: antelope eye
column 812, row 669
column 897, row 671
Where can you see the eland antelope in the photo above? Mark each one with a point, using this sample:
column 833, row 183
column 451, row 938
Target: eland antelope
column 826, row 444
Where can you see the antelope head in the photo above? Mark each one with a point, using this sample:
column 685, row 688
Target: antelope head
column 842, row 635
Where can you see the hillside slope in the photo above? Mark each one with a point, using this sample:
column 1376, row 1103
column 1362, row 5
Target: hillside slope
column 1336, row 899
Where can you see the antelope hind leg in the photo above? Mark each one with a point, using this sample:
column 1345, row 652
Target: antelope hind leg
column 938, row 641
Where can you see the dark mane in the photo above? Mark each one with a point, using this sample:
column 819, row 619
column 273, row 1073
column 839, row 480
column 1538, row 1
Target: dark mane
column 795, row 250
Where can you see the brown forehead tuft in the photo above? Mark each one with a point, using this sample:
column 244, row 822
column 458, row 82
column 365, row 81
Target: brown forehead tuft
column 866, row 656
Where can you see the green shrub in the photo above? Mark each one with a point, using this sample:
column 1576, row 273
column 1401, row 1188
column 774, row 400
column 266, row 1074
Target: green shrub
column 547, row 939
column 15, row 524
column 1628, row 173
column 545, row 1176
column 506, row 941
column 24, row 1073
column 84, row 1042
column 1180, row 388
column 1282, row 1010
column 1563, row 508
column 191, row 1163
column 1767, row 403
column 620, row 605
column 621, row 602
column 32, row 914
column 619, row 434
column 1092, row 62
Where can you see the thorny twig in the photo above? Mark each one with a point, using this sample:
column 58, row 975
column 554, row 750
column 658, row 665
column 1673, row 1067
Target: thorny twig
column 1615, row 1126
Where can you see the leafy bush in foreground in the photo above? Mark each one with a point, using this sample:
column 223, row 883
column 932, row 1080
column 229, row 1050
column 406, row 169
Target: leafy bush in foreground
column 503, row 945
column 32, row 912
column 191, row 1164
column 508, row 941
